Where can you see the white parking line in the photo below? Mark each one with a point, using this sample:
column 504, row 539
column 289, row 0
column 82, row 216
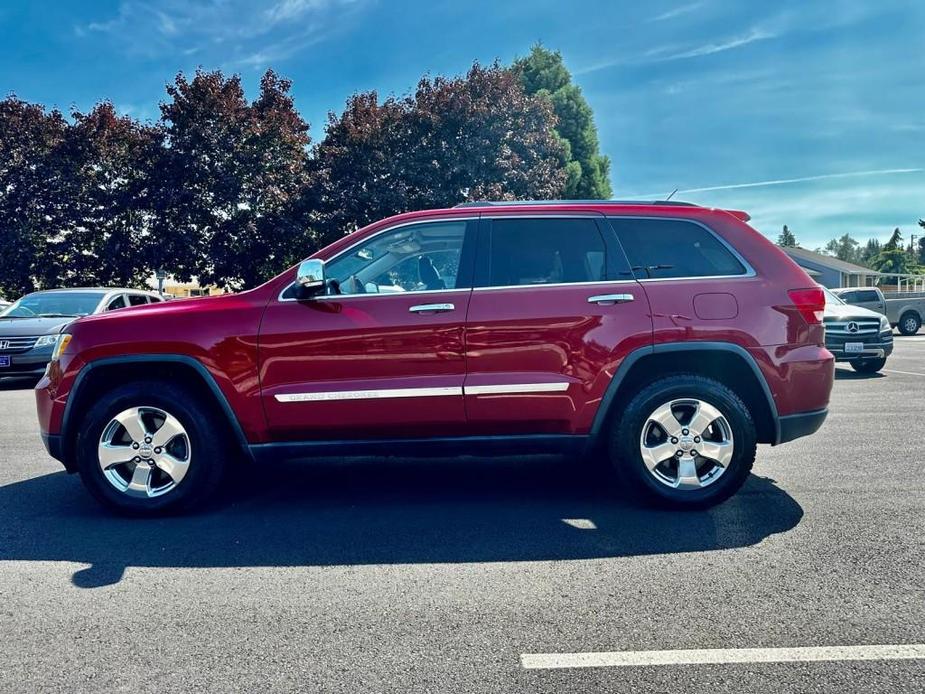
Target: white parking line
column 720, row 656
column 907, row 373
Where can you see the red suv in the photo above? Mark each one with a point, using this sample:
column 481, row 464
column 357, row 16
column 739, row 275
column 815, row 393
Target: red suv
column 673, row 338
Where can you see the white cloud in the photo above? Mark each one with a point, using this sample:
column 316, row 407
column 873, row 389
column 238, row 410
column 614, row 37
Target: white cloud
column 727, row 45
column 232, row 32
column 677, row 12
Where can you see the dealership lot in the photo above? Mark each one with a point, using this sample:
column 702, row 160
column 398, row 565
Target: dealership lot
column 478, row 575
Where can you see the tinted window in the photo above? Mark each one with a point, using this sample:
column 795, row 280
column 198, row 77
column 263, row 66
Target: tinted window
column 137, row 299
column 154, row 299
column 545, row 251
column 849, row 297
column 663, row 248
column 868, row 296
column 417, row 257
column 118, row 302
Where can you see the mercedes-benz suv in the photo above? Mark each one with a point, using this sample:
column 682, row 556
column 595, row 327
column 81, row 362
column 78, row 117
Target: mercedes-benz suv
column 668, row 338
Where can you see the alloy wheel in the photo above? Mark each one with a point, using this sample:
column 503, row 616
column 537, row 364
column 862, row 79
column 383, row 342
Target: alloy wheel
column 144, row 452
column 686, row 444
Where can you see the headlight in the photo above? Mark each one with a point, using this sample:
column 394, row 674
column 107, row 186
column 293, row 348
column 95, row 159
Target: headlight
column 61, row 343
column 47, row 341
column 884, row 324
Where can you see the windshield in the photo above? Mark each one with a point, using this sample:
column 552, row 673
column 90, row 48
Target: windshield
column 831, row 299
column 54, row 304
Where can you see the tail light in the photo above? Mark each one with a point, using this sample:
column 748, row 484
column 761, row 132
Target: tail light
column 810, row 303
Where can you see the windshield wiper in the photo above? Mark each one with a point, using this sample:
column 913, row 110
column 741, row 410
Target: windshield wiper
column 58, row 315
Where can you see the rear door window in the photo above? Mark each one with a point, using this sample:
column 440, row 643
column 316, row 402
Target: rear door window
column 137, row 299
column 674, row 248
column 535, row 251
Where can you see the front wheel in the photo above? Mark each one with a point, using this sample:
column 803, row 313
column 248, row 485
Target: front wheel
column 146, row 448
column 685, row 441
column 909, row 323
column 868, row 366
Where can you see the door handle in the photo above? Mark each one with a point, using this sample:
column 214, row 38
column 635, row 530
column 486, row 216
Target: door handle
column 432, row 308
column 610, row 299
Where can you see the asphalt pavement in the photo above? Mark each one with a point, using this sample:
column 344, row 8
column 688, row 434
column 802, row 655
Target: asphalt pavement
column 462, row 576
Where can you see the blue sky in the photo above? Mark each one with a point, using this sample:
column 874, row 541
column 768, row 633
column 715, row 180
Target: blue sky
column 688, row 94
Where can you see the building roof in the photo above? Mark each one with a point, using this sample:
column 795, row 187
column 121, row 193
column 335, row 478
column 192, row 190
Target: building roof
column 798, row 254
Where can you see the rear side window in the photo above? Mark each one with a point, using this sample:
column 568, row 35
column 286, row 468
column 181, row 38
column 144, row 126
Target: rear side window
column 525, row 252
column 118, row 302
column 669, row 248
column 868, row 296
column 137, row 300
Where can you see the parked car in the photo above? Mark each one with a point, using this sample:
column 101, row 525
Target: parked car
column 857, row 335
column 672, row 337
column 903, row 310
column 29, row 328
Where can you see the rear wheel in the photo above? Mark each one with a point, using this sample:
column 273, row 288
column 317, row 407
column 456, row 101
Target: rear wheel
column 150, row 447
column 868, row 366
column 909, row 323
column 686, row 441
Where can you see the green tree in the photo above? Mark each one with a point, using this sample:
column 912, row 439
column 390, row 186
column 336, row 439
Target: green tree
column 844, row 248
column 476, row 137
column 543, row 72
column 920, row 251
column 870, row 251
column 895, row 242
column 786, row 239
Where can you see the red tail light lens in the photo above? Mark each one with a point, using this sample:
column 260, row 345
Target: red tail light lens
column 810, row 303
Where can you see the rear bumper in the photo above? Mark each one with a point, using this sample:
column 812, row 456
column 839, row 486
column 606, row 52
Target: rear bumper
column 794, row 426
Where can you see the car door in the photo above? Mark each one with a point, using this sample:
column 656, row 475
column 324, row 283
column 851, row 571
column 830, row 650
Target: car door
column 382, row 356
column 554, row 312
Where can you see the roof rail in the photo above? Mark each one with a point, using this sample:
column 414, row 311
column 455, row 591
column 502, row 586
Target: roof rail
column 508, row 203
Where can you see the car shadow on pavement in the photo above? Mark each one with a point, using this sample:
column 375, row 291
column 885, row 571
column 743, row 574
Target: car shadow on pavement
column 851, row 375
column 381, row 512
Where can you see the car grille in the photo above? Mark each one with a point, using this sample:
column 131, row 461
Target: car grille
column 10, row 345
column 862, row 328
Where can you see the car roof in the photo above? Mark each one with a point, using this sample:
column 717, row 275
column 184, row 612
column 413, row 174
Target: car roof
column 100, row 290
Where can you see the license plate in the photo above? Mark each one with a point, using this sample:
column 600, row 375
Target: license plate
column 854, row 346
column 4, row 361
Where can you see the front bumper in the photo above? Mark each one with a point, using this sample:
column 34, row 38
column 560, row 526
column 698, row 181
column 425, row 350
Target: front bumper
column 31, row 363
column 794, row 426
column 876, row 347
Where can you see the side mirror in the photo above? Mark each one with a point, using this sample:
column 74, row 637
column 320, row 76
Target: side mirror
column 310, row 274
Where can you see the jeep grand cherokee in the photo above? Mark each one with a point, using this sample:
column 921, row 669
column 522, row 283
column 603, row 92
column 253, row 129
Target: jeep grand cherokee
column 672, row 338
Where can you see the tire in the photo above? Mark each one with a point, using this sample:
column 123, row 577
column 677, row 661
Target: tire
column 635, row 432
column 868, row 366
column 909, row 323
column 196, row 457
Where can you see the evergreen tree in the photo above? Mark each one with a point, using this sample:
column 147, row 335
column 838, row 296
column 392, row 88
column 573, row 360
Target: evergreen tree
column 895, row 242
column 870, row 251
column 543, row 72
column 786, row 238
